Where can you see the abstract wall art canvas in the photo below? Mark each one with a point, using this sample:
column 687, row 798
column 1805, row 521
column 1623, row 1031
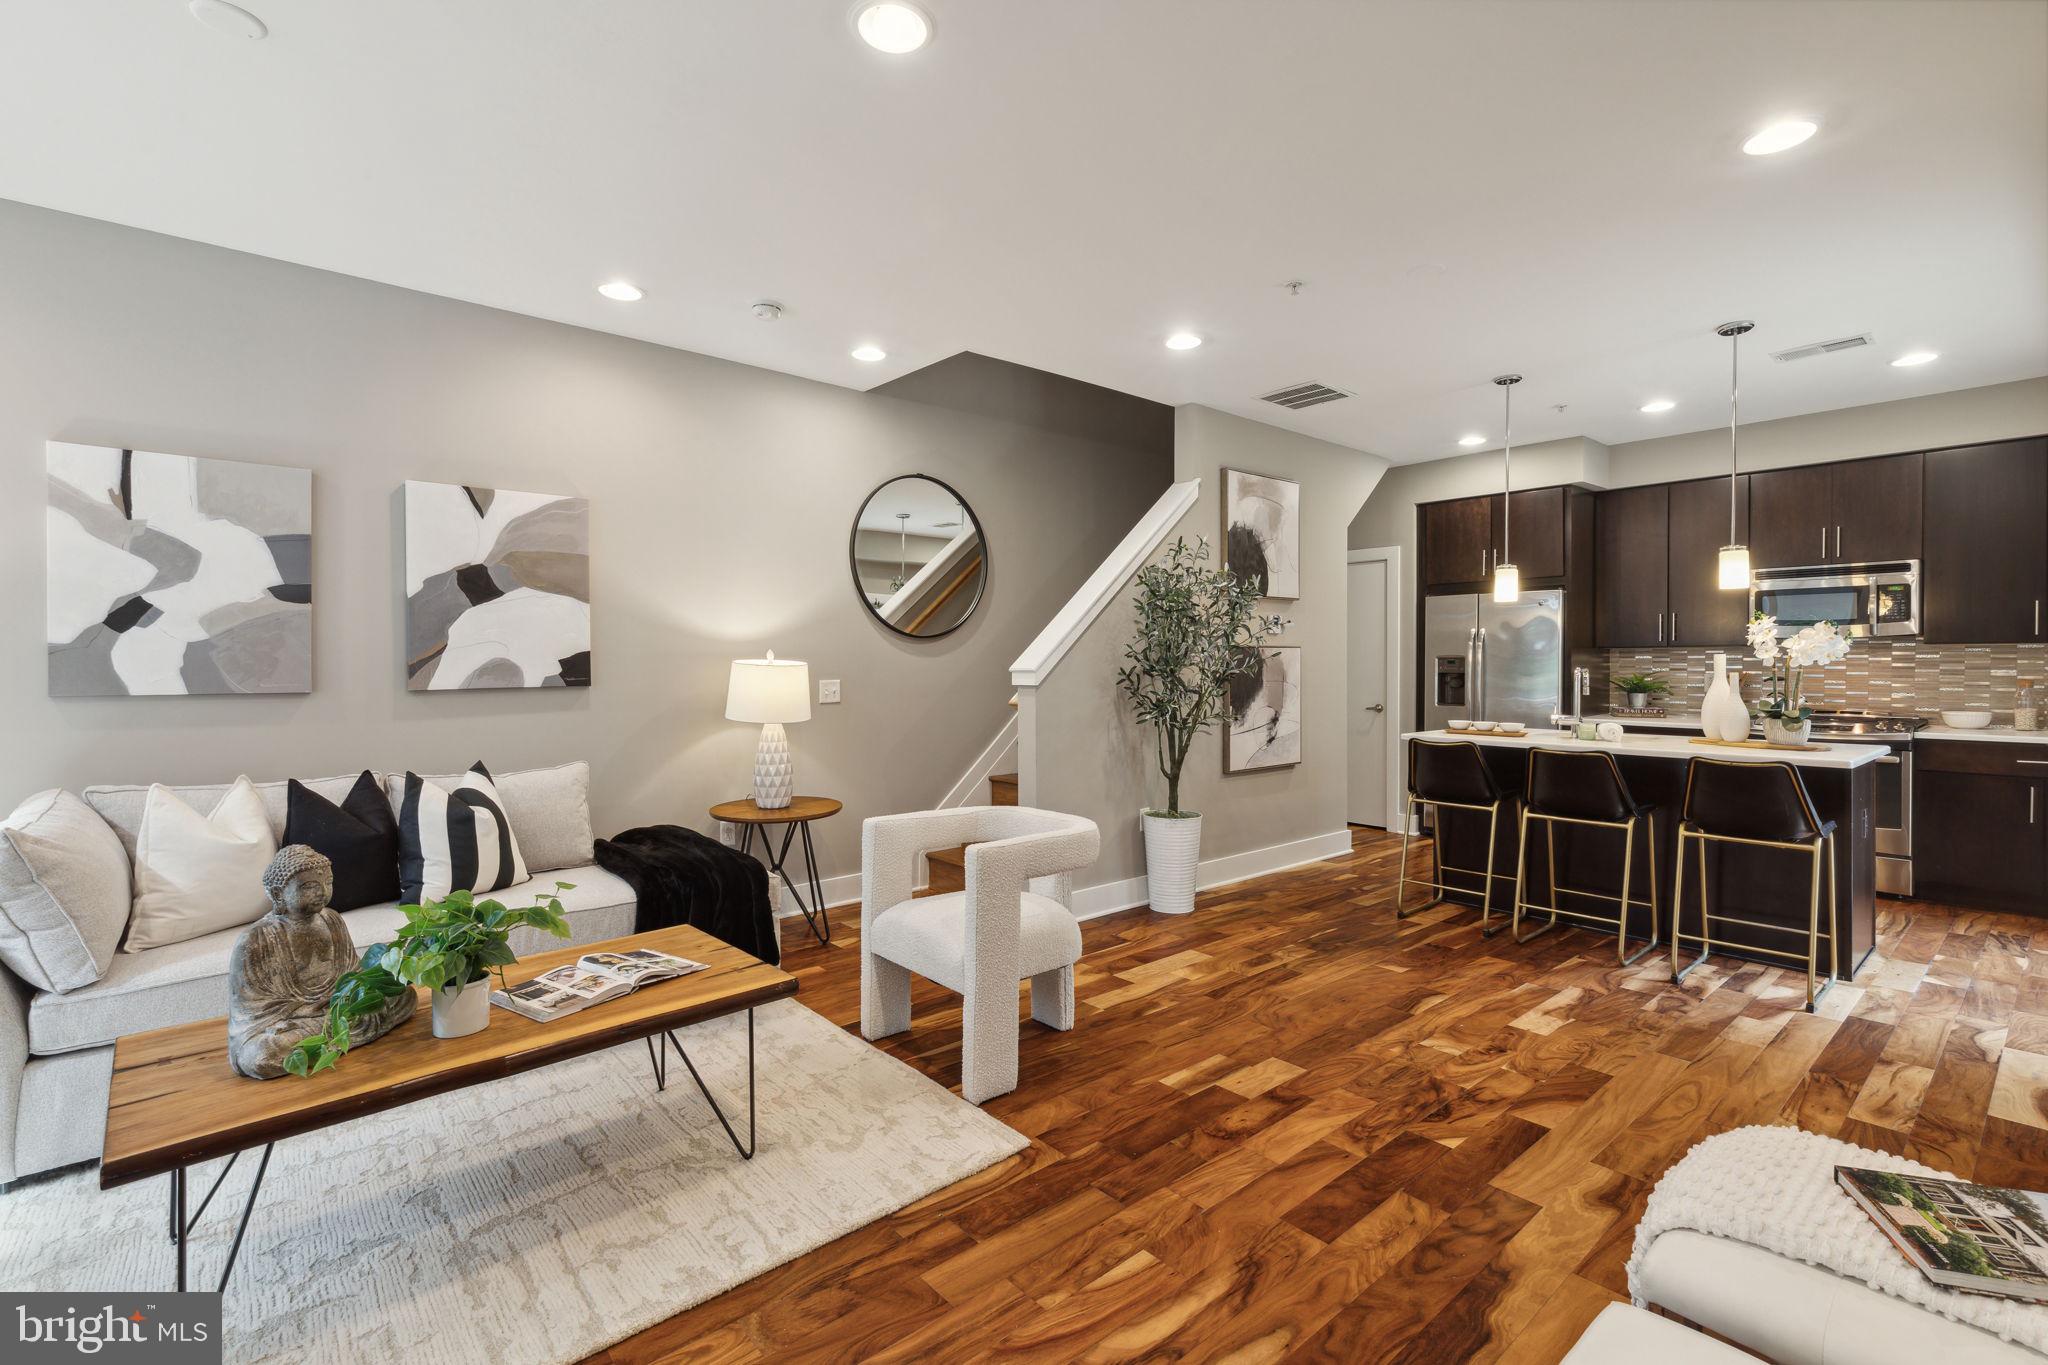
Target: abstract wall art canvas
column 171, row 575
column 1265, row 713
column 497, row 588
column 1262, row 532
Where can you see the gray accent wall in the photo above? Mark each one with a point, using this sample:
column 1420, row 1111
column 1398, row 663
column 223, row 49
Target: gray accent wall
column 1093, row 760
column 721, row 497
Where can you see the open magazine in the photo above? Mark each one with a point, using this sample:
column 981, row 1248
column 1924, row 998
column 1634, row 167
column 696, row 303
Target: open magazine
column 591, row 979
column 1977, row 1238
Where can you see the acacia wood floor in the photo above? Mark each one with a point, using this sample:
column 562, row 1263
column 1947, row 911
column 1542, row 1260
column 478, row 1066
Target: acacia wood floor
column 1290, row 1127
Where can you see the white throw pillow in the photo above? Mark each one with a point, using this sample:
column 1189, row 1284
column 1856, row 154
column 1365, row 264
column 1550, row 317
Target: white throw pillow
column 197, row 874
column 64, row 892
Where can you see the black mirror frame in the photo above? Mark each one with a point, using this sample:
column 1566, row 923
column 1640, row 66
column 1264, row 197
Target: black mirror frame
column 853, row 557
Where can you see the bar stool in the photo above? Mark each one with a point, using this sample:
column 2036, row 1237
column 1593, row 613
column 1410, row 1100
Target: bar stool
column 1451, row 773
column 1763, row 805
column 1585, row 787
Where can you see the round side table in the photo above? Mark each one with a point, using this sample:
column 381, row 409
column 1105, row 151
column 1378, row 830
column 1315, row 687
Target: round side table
column 795, row 819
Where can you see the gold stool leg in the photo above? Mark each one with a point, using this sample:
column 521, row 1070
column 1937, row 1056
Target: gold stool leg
column 1621, row 953
column 1486, row 887
column 1550, row 855
column 1549, row 841
column 1678, row 973
column 1813, row 928
column 1521, row 858
column 1401, row 878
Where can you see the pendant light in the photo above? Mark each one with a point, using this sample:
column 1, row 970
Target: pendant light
column 1734, row 555
column 902, row 552
column 1507, row 579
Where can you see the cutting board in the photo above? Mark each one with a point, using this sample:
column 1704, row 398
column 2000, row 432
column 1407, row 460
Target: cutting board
column 1757, row 744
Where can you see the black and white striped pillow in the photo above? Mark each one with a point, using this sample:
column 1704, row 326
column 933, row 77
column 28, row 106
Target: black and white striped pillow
column 455, row 840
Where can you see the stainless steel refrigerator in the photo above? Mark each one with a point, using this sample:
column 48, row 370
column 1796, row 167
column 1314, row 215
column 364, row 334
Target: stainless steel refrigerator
column 1487, row 660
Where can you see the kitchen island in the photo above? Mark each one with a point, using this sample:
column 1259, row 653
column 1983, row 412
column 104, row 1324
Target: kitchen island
column 1767, row 885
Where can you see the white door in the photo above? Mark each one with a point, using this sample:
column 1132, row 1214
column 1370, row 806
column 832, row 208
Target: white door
column 1371, row 710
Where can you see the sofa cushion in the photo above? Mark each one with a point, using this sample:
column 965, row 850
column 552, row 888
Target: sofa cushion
column 929, row 936
column 1625, row 1335
column 455, row 839
column 548, row 808
column 359, row 837
column 64, row 892
column 181, row 982
column 122, row 806
column 196, row 874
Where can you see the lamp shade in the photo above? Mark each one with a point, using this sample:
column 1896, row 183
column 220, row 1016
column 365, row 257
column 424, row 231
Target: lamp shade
column 769, row 691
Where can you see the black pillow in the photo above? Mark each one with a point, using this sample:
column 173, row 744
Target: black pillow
column 359, row 836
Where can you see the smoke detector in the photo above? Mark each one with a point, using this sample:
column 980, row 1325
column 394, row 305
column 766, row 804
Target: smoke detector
column 767, row 311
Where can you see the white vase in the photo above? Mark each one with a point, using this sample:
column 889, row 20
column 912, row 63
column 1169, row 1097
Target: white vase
column 1722, row 714
column 462, row 1010
column 1735, row 720
column 1173, row 849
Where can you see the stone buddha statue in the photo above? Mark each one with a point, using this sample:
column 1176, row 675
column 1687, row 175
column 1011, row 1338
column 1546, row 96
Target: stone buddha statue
column 285, row 967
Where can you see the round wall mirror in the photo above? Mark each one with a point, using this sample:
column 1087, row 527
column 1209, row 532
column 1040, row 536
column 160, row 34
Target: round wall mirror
column 919, row 561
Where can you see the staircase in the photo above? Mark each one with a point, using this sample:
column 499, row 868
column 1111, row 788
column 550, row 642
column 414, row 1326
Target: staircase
column 946, row 868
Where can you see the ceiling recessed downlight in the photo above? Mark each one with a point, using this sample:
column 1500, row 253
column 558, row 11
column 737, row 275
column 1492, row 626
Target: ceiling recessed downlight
column 1781, row 136
column 1183, row 341
column 622, row 291
column 870, row 354
column 893, row 26
column 1658, row 405
column 232, row 20
column 1916, row 358
column 1470, row 441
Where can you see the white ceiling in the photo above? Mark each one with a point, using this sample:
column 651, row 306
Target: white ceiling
column 1465, row 188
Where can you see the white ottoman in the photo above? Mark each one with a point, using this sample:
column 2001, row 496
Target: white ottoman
column 1622, row 1335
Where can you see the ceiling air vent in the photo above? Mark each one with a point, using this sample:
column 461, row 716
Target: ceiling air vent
column 1823, row 347
column 1303, row 395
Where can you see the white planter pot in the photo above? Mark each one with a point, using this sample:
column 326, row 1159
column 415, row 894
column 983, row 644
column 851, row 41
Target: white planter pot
column 462, row 1010
column 1778, row 732
column 1173, row 849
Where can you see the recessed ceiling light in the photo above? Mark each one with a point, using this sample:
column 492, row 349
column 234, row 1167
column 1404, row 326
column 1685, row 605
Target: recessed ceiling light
column 894, row 27
column 870, row 354
column 1183, row 341
column 1779, row 137
column 622, row 291
column 1659, row 405
column 232, row 20
column 1916, row 358
column 1471, row 440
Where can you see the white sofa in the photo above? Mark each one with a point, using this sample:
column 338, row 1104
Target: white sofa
column 56, row 1050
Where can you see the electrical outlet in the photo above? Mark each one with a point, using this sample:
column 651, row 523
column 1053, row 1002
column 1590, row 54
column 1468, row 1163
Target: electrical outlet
column 828, row 691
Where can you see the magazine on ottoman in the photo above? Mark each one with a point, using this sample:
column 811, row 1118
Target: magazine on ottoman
column 1977, row 1238
column 590, row 980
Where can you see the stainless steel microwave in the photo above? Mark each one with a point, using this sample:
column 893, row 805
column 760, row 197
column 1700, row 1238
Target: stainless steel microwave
column 1862, row 599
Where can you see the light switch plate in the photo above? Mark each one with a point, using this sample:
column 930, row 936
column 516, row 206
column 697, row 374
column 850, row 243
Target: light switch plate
column 828, row 691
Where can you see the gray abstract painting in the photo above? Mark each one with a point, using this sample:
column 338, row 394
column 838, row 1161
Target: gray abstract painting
column 497, row 588
column 1265, row 713
column 171, row 575
column 1262, row 532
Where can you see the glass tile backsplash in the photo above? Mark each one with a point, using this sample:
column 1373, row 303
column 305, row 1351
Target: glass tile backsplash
column 1892, row 677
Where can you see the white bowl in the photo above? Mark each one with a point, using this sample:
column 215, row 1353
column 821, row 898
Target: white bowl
column 1511, row 727
column 1457, row 724
column 1482, row 725
column 1966, row 720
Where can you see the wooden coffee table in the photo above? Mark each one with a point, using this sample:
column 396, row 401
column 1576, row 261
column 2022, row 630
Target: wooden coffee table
column 175, row 1101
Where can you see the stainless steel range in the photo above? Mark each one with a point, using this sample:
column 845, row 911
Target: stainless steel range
column 1894, row 785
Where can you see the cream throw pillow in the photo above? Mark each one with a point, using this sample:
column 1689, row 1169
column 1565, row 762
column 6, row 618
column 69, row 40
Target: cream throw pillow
column 198, row 874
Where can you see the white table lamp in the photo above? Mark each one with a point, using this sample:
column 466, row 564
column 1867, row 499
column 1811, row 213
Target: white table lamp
column 773, row 693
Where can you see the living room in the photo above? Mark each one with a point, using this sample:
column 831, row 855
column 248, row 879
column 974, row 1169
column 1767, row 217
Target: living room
column 1221, row 713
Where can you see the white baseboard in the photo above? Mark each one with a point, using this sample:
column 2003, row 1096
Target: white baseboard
column 838, row 891
column 1110, row 897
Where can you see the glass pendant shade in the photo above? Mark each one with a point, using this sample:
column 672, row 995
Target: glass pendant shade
column 1507, row 582
column 1735, row 567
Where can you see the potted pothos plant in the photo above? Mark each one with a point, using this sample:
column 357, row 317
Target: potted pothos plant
column 451, row 946
column 1641, row 689
column 1197, row 629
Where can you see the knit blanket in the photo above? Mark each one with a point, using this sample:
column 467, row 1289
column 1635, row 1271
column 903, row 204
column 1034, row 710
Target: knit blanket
column 1775, row 1188
column 683, row 877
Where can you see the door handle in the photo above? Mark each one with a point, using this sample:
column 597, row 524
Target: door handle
column 1377, row 707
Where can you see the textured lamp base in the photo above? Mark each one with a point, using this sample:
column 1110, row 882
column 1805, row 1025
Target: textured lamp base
column 774, row 774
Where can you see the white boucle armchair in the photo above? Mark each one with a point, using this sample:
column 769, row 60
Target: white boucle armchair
column 1014, row 922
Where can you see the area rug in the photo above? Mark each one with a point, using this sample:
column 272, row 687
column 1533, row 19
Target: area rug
column 535, row 1219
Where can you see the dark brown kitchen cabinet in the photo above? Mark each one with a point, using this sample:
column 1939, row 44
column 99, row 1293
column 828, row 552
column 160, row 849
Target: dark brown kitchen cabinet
column 1980, row 840
column 1986, row 554
column 1457, row 541
column 1536, row 532
column 1855, row 512
column 1698, row 610
column 1632, row 562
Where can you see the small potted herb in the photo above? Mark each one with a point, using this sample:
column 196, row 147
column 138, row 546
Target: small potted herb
column 451, row 946
column 1640, row 689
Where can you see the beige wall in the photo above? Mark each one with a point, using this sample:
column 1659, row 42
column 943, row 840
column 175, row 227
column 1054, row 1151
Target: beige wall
column 1093, row 760
column 721, row 498
column 1995, row 412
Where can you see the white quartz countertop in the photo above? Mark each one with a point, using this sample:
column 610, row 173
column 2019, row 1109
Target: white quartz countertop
column 1678, row 747
column 1677, row 720
column 1994, row 734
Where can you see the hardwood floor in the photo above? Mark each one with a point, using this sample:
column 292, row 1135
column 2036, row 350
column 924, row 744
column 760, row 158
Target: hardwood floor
column 1290, row 1127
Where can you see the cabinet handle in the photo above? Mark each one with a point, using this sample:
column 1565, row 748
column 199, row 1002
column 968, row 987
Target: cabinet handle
column 1660, row 627
column 1838, row 541
column 1674, row 627
column 2033, row 762
column 2037, row 616
column 1823, row 542
column 2032, row 792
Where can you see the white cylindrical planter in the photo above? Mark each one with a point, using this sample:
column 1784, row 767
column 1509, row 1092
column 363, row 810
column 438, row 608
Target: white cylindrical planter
column 462, row 1010
column 1173, row 849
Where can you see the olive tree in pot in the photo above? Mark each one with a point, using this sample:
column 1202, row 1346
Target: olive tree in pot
column 1197, row 629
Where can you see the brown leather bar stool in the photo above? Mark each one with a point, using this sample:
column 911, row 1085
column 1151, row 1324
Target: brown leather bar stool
column 1585, row 787
column 1451, row 774
column 1762, row 805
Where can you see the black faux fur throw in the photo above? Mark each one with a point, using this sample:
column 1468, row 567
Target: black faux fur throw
column 683, row 877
